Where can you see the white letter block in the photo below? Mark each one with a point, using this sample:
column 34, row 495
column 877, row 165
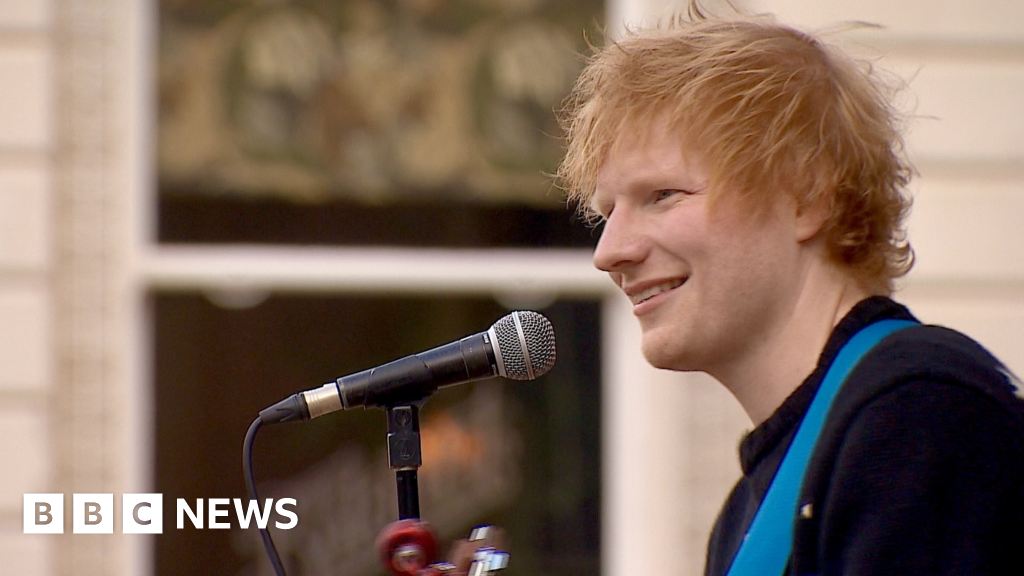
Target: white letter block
column 142, row 514
column 92, row 513
column 44, row 513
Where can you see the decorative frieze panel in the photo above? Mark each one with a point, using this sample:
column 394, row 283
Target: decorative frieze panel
column 374, row 101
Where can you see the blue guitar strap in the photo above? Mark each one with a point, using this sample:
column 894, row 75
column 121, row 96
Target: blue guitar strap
column 768, row 543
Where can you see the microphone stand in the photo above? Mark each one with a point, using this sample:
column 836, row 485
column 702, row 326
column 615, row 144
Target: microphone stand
column 408, row 547
column 404, row 457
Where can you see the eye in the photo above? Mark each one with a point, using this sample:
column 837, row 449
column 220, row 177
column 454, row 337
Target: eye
column 596, row 221
column 667, row 193
column 601, row 214
column 601, row 208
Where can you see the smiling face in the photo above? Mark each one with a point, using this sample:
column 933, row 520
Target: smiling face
column 709, row 282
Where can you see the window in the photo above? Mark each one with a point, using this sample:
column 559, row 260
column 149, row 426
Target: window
column 372, row 130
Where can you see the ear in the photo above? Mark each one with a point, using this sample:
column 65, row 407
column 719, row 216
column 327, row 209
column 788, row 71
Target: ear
column 811, row 216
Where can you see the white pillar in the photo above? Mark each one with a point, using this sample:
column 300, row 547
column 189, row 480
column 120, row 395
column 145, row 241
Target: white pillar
column 645, row 454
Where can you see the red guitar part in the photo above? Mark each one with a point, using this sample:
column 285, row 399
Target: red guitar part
column 408, row 548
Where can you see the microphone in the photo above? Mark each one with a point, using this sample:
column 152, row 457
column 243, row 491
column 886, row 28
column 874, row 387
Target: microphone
column 519, row 346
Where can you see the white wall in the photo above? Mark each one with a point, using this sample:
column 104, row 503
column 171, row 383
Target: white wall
column 26, row 119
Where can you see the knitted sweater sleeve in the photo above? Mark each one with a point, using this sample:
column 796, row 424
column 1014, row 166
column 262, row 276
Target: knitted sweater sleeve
column 927, row 480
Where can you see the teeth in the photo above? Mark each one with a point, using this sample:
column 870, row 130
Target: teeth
column 654, row 291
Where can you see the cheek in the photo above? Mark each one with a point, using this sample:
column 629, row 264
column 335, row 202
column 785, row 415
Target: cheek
column 684, row 235
column 761, row 270
column 739, row 267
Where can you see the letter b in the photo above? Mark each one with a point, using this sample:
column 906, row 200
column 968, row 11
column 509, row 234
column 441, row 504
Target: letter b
column 93, row 513
column 43, row 511
column 43, row 514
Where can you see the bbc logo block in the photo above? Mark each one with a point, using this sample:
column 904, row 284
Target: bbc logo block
column 93, row 513
column 142, row 514
column 44, row 513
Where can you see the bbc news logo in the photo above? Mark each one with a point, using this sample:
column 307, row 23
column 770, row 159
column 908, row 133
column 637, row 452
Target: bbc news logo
column 143, row 513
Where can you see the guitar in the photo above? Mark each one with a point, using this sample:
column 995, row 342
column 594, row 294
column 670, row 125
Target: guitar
column 409, row 548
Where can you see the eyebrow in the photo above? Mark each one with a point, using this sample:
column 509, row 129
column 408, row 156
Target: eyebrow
column 659, row 182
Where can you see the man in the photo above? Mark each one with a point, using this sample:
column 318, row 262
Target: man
column 751, row 184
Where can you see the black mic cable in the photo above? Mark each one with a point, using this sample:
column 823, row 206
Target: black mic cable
column 250, row 485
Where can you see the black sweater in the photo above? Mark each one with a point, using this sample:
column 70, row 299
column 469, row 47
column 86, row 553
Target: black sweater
column 919, row 468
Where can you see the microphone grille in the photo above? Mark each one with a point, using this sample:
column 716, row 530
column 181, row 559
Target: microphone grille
column 525, row 345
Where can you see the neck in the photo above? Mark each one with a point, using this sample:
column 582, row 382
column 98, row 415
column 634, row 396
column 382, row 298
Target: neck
column 767, row 374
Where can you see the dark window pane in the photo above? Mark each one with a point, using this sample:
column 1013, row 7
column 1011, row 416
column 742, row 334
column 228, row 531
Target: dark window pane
column 525, row 455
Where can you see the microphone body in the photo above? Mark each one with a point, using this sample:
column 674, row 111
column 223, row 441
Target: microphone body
column 417, row 376
column 519, row 346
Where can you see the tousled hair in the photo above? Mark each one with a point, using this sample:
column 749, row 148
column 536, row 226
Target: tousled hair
column 772, row 110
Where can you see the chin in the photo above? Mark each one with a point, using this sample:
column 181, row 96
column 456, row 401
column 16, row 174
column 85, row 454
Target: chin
column 665, row 357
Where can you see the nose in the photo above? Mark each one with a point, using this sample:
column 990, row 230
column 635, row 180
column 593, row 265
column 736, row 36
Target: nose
column 621, row 244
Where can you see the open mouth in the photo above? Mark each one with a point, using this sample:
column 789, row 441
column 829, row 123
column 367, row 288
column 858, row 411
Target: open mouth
column 653, row 291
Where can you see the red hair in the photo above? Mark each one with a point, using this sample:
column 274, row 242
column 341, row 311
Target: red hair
column 772, row 110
